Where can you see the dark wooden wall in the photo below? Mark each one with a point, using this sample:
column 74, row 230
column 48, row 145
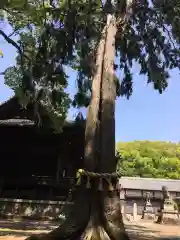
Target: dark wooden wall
column 25, row 151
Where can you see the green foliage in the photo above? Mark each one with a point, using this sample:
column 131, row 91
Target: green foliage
column 149, row 159
column 50, row 33
column 55, row 34
column 37, row 77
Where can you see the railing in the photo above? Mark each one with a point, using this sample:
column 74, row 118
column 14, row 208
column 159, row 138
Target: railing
column 36, row 188
column 36, row 180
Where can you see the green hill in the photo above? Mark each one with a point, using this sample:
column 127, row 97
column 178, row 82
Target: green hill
column 149, row 159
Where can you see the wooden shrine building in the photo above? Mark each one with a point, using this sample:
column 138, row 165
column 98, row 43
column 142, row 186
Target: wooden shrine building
column 39, row 164
column 36, row 163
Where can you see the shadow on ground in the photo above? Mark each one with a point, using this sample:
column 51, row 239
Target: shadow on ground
column 25, row 227
column 139, row 232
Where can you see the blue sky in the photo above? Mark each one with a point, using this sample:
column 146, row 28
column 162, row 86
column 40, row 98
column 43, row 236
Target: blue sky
column 146, row 116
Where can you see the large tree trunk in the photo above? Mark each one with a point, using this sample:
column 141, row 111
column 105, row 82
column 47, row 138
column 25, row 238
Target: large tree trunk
column 97, row 214
column 106, row 220
column 108, row 162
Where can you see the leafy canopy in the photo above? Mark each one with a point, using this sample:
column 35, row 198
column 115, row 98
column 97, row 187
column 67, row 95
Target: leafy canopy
column 56, row 34
column 149, row 159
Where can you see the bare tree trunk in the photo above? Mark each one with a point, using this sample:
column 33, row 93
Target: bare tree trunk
column 106, row 219
column 92, row 122
column 97, row 215
column 114, row 226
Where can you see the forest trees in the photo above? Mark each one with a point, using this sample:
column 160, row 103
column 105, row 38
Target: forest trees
column 86, row 35
column 149, row 159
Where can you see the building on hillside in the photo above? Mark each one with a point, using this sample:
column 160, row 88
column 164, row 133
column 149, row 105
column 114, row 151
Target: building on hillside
column 134, row 189
column 35, row 159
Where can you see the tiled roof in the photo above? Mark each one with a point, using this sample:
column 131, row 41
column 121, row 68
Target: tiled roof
column 11, row 111
column 155, row 184
column 16, row 122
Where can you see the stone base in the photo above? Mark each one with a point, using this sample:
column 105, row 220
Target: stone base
column 31, row 209
column 147, row 215
column 171, row 218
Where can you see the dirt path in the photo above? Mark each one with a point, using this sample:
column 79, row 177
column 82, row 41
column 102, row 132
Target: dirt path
column 17, row 230
column 152, row 231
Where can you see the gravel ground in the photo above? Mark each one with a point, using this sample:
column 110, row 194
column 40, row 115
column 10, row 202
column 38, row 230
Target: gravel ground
column 142, row 231
column 153, row 231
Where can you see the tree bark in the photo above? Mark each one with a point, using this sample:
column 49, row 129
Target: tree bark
column 97, row 215
column 78, row 219
column 106, row 220
column 92, row 121
column 111, row 202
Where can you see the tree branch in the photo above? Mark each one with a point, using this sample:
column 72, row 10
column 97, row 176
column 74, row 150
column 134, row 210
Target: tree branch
column 10, row 41
column 13, row 43
column 170, row 37
column 15, row 31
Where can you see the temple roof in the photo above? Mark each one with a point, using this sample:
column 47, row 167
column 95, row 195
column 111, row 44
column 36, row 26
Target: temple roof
column 151, row 184
column 12, row 108
column 12, row 113
column 39, row 143
column 16, row 122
